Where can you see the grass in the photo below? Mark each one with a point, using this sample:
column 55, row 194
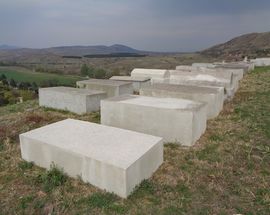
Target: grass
column 226, row 172
column 24, row 75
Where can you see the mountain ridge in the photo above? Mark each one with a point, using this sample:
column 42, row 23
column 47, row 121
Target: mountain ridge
column 252, row 45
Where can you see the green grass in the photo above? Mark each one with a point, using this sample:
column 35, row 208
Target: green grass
column 225, row 172
column 24, row 75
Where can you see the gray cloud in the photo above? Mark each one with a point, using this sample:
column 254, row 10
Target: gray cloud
column 158, row 25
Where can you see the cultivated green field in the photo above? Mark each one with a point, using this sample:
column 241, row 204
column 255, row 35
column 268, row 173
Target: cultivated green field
column 24, row 75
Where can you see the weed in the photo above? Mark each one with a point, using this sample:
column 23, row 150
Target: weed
column 209, row 153
column 52, row 178
column 24, row 165
column 24, row 201
column 172, row 210
column 216, row 138
column 145, row 188
column 101, row 200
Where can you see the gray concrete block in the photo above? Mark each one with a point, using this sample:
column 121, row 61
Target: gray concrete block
column 156, row 75
column 111, row 87
column 200, row 79
column 261, row 61
column 137, row 82
column 176, row 120
column 212, row 96
column 76, row 100
column 110, row 158
column 207, row 65
column 235, row 75
column 184, row 67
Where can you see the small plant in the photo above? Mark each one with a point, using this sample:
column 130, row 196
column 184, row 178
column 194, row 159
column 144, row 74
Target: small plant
column 216, row 138
column 209, row 153
column 24, row 165
column 146, row 187
column 24, row 201
column 101, row 200
column 52, row 178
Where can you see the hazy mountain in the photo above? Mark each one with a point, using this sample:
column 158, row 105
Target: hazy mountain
column 7, row 47
column 252, row 45
column 90, row 50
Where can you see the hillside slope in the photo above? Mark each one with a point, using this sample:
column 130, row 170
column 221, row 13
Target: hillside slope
column 252, row 45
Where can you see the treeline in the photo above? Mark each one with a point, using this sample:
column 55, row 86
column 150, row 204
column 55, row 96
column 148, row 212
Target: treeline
column 12, row 92
column 114, row 55
column 97, row 73
column 19, row 85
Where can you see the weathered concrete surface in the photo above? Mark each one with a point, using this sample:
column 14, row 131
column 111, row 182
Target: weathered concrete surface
column 235, row 75
column 137, row 82
column 244, row 66
column 207, row 65
column 110, row 158
column 199, row 79
column 261, row 61
column 176, row 120
column 212, row 96
column 184, row 67
column 217, row 71
column 156, row 75
column 76, row 100
column 111, row 87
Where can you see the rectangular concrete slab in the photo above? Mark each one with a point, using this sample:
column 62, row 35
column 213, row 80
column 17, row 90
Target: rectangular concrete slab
column 110, row 158
column 76, row 100
column 261, row 61
column 184, row 67
column 200, row 79
column 137, row 82
column 213, row 96
column 156, row 75
column 176, row 120
column 231, row 74
column 111, row 87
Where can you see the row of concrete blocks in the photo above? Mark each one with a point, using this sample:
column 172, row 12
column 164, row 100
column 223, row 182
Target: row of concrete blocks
column 112, row 158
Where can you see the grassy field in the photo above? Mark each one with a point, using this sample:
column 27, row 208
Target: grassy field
column 226, row 172
column 24, row 75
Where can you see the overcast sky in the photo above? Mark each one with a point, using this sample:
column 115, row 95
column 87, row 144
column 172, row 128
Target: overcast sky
column 154, row 25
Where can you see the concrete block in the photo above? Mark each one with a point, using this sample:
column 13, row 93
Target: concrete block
column 110, row 158
column 235, row 75
column 137, row 82
column 184, row 67
column 200, row 79
column 261, row 61
column 207, row 65
column 76, row 100
column 176, row 120
column 111, row 87
column 156, row 75
column 244, row 66
column 212, row 96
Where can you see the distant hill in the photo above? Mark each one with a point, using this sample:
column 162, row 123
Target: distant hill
column 91, row 50
column 7, row 47
column 252, row 45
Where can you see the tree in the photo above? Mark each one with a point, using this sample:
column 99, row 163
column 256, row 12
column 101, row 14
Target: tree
column 91, row 72
column 84, row 70
column 100, row 73
column 3, row 77
column 12, row 83
column 34, row 85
